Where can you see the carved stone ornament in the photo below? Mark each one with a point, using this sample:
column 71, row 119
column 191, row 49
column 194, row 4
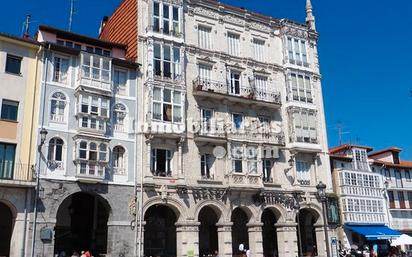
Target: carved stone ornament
column 294, row 32
column 206, row 12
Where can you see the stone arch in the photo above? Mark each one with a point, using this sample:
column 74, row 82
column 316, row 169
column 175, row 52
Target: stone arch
column 219, row 209
column 71, row 191
column 308, row 219
column 82, row 223
column 174, row 204
column 7, row 222
column 279, row 211
column 11, row 206
column 251, row 213
column 317, row 210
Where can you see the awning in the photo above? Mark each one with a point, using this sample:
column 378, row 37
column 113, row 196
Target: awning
column 374, row 232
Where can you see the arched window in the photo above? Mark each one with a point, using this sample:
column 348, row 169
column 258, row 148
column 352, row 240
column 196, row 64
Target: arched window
column 119, row 117
column 57, row 107
column 119, row 162
column 55, row 153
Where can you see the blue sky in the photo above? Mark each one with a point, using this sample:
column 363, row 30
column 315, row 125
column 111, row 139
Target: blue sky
column 365, row 55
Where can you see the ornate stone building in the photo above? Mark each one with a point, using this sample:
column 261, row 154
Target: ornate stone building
column 231, row 128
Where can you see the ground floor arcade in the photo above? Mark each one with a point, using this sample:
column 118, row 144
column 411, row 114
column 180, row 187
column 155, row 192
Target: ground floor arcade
column 176, row 222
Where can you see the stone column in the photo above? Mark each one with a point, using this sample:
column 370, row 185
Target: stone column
column 224, row 231
column 287, row 239
column 187, row 238
column 320, row 240
column 255, row 238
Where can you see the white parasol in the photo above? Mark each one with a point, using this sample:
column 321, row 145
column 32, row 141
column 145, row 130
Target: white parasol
column 402, row 240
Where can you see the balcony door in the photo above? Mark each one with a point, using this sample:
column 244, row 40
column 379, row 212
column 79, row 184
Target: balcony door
column 234, row 83
column 7, row 153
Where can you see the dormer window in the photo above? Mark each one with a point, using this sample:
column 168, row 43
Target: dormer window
column 360, row 158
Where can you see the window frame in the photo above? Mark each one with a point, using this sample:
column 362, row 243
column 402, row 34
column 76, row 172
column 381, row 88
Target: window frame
column 168, row 172
column 300, row 90
column 297, row 54
column 175, row 64
column 9, row 110
column 303, row 172
column 116, row 156
column 8, row 69
column 170, row 19
column 259, row 49
column 204, row 36
column 57, row 103
column 7, row 169
column 116, row 82
column 172, row 103
column 57, row 72
column 233, row 44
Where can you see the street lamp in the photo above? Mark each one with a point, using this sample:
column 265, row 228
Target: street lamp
column 43, row 136
column 321, row 187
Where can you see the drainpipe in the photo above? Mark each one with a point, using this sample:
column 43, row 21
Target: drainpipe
column 23, row 246
column 37, row 193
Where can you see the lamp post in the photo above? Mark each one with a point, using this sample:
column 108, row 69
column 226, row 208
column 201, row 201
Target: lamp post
column 321, row 187
column 43, row 135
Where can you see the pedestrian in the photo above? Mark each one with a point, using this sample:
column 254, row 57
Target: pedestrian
column 83, row 254
column 75, row 254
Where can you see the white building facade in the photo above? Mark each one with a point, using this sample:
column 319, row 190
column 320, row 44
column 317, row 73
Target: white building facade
column 233, row 138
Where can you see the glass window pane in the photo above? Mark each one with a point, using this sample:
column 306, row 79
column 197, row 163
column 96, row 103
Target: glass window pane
column 167, row 97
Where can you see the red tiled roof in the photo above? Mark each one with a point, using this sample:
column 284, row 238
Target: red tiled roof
column 403, row 164
column 390, row 149
column 81, row 38
column 347, row 146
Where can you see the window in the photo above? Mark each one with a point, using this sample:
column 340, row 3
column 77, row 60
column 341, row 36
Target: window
column 233, row 42
column 55, row 153
column 303, row 172
column 96, row 67
column 237, row 158
column 205, row 166
column 119, row 164
column 7, row 155
column 297, row 52
column 401, row 199
column 391, row 200
column 300, row 88
column 92, row 151
column 161, row 162
column 68, row 44
column 205, row 41
column 13, row 64
column 237, row 121
column 57, row 107
column 206, row 115
column 167, row 61
column 93, row 112
column 205, row 72
column 261, row 84
column 9, row 110
column 120, row 82
column 361, row 159
column 93, row 105
column 305, row 126
column 119, row 116
column 166, row 19
column 258, row 48
column 252, row 159
column 408, row 175
column 267, row 170
column 61, row 67
column 387, row 173
column 410, row 198
column 234, row 82
column 167, row 105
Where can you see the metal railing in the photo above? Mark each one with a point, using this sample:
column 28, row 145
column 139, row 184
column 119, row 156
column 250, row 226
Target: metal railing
column 10, row 170
column 219, row 87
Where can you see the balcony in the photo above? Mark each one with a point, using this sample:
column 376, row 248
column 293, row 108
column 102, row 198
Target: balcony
column 95, row 74
column 90, row 172
column 245, row 181
column 364, row 217
column 361, row 191
column 222, row 90
column 16, row 174
column 220, row 133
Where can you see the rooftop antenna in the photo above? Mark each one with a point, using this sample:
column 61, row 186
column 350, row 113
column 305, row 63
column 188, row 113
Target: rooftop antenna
column 339, row 128
column 26, row 27
column 72, row 13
